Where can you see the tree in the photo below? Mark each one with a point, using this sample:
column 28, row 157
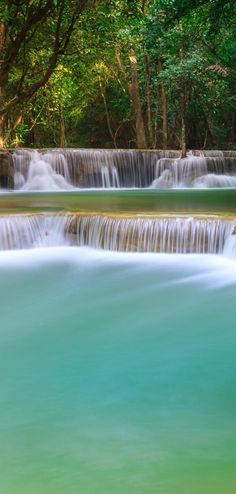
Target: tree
column 125, row 73
column 33, row 35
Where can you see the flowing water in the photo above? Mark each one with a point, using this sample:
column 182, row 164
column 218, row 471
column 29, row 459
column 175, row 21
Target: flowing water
column 65, row 169
column 117, row 373
column 119, row 233
column 196, row 171
column 117, row 323
column 35, row 172
column 145, row 201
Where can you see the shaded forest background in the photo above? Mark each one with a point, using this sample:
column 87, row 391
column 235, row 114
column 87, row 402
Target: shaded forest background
column 118, row 73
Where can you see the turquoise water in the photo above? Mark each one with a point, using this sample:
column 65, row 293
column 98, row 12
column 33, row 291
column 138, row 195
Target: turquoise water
column 144, row 200
column 117, row 373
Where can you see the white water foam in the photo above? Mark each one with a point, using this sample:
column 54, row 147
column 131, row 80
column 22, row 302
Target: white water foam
column 212, row 180
column 43, row 174
column 208, row 270
column 209, row 171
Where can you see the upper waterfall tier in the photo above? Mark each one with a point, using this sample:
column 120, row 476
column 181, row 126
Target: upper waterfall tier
column 119, row 233
column 65, row 169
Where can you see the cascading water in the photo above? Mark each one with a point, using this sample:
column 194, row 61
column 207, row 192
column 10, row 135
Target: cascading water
column 110, row 177
column 152, row 235
column 230, row 245
column 108, row 359
column 64, row 169
column 182, row 171
column 212, row 180
column 59, row 164
column 124, row 234
column 35, row 172
column 86, row 168
column 196, row 171
column 113, row 168
column 28, row 231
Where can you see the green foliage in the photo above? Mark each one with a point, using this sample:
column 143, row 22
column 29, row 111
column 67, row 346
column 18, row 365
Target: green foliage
column 184, row 49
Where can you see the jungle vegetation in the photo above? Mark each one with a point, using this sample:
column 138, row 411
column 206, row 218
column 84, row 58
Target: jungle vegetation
column 118, row 73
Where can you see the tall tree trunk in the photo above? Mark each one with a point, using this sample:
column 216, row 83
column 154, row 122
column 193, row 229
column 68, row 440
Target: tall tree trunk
column 136, row 101
column 62, row 128
column 164, row 110
column 2, row 80
column 233, row 129
column 1, row 126
column 133, row 89
column 11, row 127
column 36, row 137
column 2, row 115
column 183, row 100
column 148, row 102
column 104, row 97
column 183, row 132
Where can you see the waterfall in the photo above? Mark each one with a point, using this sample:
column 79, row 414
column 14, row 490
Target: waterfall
column 214, row 153
column 63, row 169
column 28, row 231
column 110, row 168
column 170, row 235
column 213, row 181
column 182, row 171
column 85, row 168
column 34, row 171
column 125, row 234
column 59, row 164
column 230, row 246
column 196, row 171
column 110, row 177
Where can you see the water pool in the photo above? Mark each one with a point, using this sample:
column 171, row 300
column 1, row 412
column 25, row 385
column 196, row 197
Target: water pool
column 117, row 373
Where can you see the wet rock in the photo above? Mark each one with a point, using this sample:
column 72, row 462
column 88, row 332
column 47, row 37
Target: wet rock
column 6, row 170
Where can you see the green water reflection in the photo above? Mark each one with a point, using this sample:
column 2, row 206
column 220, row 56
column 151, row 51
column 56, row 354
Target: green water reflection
column 146, row 200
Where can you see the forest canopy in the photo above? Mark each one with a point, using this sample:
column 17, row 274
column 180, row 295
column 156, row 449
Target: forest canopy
column 118, row 73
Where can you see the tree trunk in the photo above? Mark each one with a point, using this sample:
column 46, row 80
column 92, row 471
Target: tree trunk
column 11, row 127
column 1, row 132
column 36, row 137
column 183, row 100
column 2, row 99
column 164, row 116
column 164, row 110
column 148, row 102
column 233, row 131
column 62, row 128
column 183, row 132
column 103, row 93
column 2, row 88
column 135, row 97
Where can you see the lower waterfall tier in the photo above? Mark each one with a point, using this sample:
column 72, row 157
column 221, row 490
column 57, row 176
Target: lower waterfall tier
column 120, row 233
